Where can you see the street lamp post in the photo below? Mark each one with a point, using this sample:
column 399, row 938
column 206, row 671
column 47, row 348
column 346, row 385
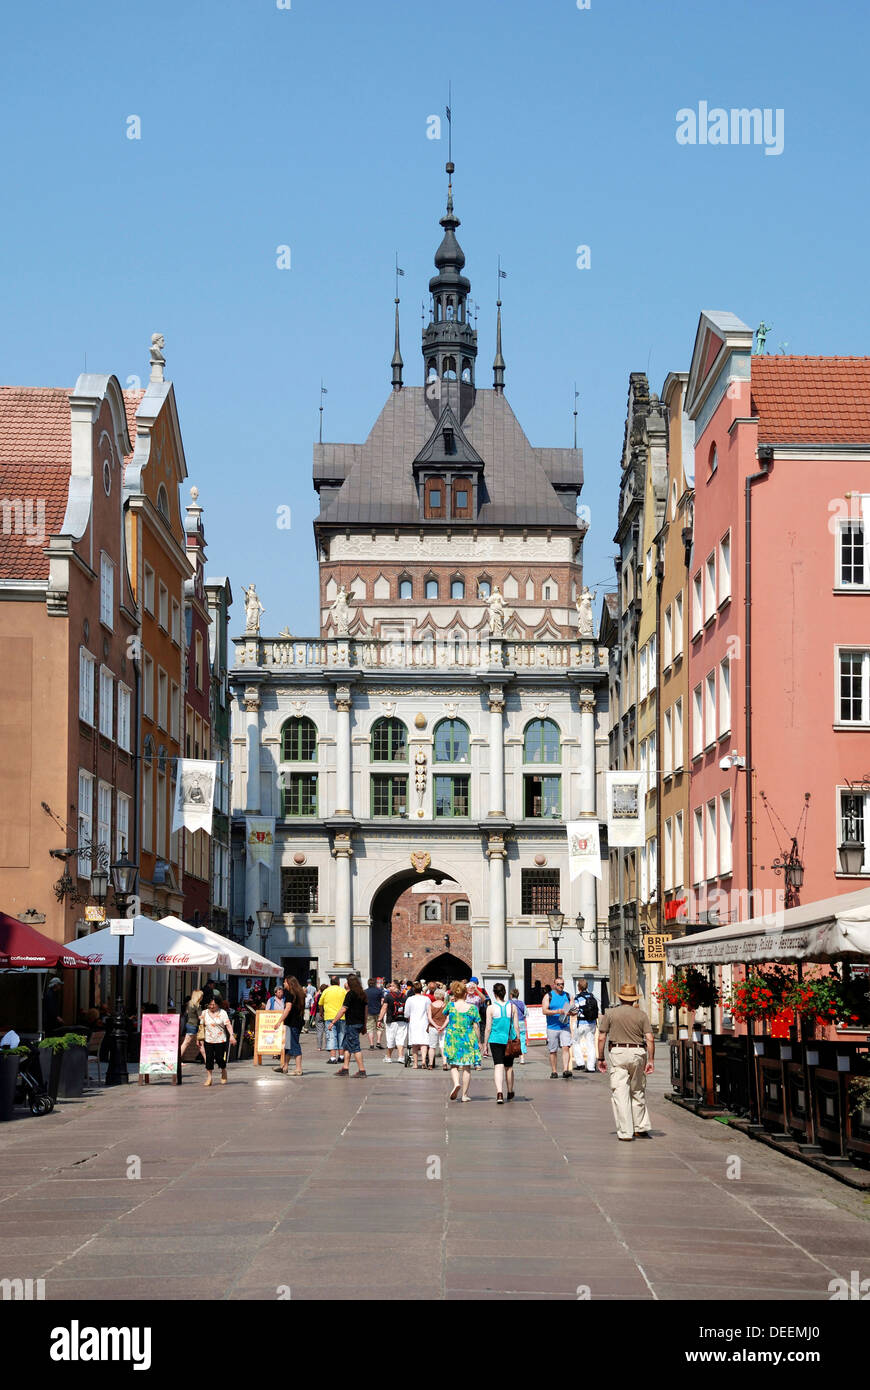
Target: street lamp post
column 264, row 921
column 556, row 921
column 124, row 878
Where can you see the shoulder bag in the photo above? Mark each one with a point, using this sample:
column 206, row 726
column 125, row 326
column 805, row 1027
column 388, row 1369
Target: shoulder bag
column 512, row 1046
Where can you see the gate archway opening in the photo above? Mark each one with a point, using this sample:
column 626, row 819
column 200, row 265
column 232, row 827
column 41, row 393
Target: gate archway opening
column 445, row 968
column 393, row 930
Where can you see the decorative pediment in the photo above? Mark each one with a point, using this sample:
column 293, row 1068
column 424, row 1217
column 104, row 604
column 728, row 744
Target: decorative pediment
column 447, row 446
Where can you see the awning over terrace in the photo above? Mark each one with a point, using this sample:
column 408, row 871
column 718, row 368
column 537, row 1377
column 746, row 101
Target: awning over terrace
column 829, row 930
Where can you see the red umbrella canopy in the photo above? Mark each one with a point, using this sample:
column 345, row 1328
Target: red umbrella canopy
column 21, row 948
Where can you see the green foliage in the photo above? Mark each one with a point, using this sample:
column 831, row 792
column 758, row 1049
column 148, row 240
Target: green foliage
column 64, row 1042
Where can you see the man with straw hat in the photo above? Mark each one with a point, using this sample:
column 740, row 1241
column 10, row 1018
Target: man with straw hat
column 628, row 1034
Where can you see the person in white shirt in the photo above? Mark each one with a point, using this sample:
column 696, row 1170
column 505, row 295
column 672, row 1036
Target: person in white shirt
column 10, row 1038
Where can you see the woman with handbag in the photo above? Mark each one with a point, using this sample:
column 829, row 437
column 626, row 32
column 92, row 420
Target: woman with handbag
column 503, row 1037
column 218, row 1031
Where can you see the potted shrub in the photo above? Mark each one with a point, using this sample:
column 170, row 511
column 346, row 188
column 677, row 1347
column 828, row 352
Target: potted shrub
column 8, row 1077
column 64, row 1062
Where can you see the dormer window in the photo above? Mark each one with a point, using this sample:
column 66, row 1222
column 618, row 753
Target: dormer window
column 449, row 439
column 434, row 499
column 461, row 498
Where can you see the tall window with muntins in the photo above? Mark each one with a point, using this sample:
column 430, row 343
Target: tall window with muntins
column 540, row 892
column 854, row 553
column 542, row 797
column 451, row 797
column 389, row 795
column 854, row 692
column 854, row 817
column 431, row 588
column 461, row 912
column 451, row 741
column 457, row 588
column 389, row 741
column 298, row 890
column 299, row 741
column 406, row 588
column 299, row 794
column 541, row 743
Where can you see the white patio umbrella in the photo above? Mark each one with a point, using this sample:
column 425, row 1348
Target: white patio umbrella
column 152, row 944
column 244, row 961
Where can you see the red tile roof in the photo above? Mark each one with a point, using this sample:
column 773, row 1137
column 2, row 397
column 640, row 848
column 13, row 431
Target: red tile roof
column 131, row 405
column 34, row 475
column 812, row 400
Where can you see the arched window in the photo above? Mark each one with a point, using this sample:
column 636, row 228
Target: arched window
column 457, row 588
column 714, row 460
column 451, row 741
column 406, row 588
column 299, row 741
column 541, row 743
column 449, row 369
column 466, row 369
column 431, row 588
column 163, row 502
column 484, row 587
column 451, row 312
column 431, row 369
column 389, row 741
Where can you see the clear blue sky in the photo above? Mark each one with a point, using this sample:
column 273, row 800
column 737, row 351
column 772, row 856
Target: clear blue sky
column 307, row 127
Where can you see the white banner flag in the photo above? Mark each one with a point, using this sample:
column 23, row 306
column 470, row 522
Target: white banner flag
column 260, row 837
column 194, row 795
column 626, row 811
column 584, row 848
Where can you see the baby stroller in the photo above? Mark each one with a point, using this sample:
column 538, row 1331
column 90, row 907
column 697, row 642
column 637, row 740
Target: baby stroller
column 30, row 1089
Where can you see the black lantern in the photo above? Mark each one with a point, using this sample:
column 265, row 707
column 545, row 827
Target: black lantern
column 556, row 921
column 264, row 921
column 99, row 885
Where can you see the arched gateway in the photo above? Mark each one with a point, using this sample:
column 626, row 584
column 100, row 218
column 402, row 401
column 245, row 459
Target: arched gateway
column 418, row 920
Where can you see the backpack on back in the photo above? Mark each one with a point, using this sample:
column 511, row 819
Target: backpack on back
column 589, row 1009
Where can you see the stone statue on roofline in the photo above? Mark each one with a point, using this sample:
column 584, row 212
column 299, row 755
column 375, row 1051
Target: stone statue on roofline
column 253, row 610
column 340, row 613
column 584, row 612
column 158, row 361
column 761, row 333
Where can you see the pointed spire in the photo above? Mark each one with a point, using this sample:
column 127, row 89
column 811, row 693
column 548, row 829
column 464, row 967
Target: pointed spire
column 498, row 363
column 397, row 363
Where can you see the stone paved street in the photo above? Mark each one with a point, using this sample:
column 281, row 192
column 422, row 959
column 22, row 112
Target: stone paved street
column 280, row 1178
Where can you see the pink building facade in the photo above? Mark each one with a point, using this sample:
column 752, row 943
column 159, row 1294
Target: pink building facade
column 779, row 648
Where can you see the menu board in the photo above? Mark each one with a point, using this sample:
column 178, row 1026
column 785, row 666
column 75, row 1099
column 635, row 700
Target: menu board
column 158, row 1051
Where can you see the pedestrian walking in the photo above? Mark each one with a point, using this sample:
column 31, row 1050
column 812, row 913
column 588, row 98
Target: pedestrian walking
column 520, row 1006
column 218, row 1032
column 310, row 992
column 319, row 1020
column 556, row 1004
column 393, row 1014
column 331, row 1001
column 584, row 1014
column 462, row 1043
column 418, row 1012
column 435, row 995
column 374, row 1027
column 352, row 1015
column 293, row 1017
column 190, row 1048
column 502, row 1028
column 628, row 1034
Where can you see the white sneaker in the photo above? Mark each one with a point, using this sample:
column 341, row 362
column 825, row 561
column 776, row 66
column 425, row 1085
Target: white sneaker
column 388, row 1059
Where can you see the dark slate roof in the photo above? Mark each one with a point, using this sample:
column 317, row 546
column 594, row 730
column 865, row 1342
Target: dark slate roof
column 377, row 481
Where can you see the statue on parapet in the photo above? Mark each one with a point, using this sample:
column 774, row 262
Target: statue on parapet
column 497, row 612
column 253, row 610
column 584, row 613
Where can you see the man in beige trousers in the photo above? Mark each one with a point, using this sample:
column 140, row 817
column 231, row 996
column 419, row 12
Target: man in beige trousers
column 628, row 1034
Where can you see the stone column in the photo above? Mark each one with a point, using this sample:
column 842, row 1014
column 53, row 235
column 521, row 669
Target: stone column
column 343, row 914
column 343, row 792
column 496, row 750
column 497, row 855
column 589, row 950
column 251, row 702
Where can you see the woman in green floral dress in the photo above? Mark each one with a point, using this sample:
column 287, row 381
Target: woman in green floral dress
column 462, row 1040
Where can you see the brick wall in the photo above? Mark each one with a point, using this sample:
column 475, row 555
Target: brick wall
column 425, row 940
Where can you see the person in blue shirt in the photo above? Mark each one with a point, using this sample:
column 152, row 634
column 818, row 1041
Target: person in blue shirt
column 556, row 1005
